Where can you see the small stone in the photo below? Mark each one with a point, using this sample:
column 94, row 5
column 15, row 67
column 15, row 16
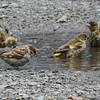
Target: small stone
column 63, row 19
column 38, row 86
column 32, row 83
column 3, row 16
column 49, row 98
column 42, row 71
column 9, row 87
column 40, row 98
column 55, row 71
column 54, row 29
column 4, row 5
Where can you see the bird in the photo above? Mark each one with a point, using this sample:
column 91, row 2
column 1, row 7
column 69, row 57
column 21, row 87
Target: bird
column 93, row 26
column 19, row 56
column 73, row 48
column 10, row 42
column 94, row 39
column 94, row 35
column 5, row 37
column 4, row 32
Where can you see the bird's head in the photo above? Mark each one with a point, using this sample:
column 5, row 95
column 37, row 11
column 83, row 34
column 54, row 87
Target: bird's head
column 11, row 42
column 92, row 23
column 83, row 36
column 31, row 49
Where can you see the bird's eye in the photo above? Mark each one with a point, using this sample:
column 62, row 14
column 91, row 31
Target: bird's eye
column 14, row 46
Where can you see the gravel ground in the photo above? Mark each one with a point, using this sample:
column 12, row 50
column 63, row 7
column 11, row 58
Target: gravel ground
column 43, row 85
column 37, row 18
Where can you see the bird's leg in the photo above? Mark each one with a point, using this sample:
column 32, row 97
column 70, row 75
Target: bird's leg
column 16, row 68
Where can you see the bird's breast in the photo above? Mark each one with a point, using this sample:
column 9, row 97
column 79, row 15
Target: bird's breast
column 16, row 62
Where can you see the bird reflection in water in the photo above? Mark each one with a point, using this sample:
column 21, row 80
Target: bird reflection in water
column 94, row 59
column 90, row 60
column 75, row 63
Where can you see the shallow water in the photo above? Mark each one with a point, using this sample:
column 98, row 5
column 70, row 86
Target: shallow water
column 48, row 43
column 39, row 19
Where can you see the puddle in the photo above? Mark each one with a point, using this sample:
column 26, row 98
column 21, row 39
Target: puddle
column 48, row 43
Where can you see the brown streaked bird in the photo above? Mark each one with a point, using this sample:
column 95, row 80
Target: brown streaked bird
column 72, row 48
column 19, row 56
column 93, row 26
column 94, row 36
column 94, row 39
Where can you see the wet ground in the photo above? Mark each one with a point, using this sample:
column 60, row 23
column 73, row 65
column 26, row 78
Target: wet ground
column 37, row 25
column 48, row 43
column 33, row 21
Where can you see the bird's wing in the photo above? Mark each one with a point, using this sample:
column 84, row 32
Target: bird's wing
column 63, row 48
column 76, row 45
column 72, row 41
column 67, row 46
column 18, row 53
column 15, row 53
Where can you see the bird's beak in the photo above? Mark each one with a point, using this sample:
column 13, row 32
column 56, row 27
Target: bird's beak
column 35, row 54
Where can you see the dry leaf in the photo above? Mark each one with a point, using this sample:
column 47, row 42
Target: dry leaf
column 3, row 16
column 76, row 98
column 63, row 19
